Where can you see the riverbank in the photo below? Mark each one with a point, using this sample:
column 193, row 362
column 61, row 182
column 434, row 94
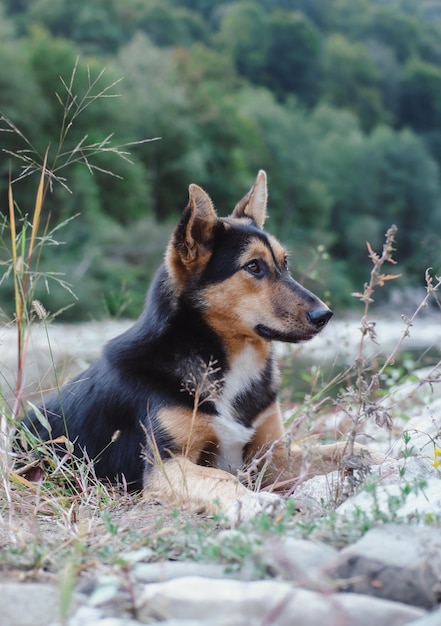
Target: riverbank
column 358, row 547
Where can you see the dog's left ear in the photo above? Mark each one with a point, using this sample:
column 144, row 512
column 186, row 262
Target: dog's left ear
column 194, row 233
column 254, row 203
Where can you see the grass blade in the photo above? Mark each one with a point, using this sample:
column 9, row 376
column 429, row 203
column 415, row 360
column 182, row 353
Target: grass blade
column 38, row 208
column 14, row 249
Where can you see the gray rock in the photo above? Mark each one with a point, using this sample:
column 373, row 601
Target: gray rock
column 196, row 598
column 298, row 560
column 404, row 470
column 226, row 602
column 432, row 619
column 289, row 558
column 192, row 622
column 84, row 618
column 111, row 595
column 401, row 563
column 28, row 604
column 168, row 570
column 364, row 611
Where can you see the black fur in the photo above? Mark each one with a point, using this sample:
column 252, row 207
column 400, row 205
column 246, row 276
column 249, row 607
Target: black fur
column 139, row 372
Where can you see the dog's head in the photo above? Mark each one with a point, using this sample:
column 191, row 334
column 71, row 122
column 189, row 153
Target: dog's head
column 237, row 275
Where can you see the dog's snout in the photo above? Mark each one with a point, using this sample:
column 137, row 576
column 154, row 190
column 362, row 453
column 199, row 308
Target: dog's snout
column 319, row 316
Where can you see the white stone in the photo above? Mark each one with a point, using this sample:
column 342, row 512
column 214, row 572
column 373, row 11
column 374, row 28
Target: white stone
column 238, row 603
column 196, row 598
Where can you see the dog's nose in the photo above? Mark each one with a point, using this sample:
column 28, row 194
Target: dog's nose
column 320, row 316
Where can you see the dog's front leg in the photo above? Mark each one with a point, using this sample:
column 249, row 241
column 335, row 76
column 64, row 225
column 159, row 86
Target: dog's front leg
column 321, row 459
column 181, row 483
column 277, row 463
column 282, row 465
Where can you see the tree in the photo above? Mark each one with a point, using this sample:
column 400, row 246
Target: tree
column 388, row 70
column 96, row 27
column 23, row 104
column 166, row 25
column 292, row 55
column 420, row 95
column 160, row 107
column 93, row 25
column 206, row 8
column 387, row 177
column 84, row 110
column 408, row 193
column 213, row 88
column 395, row 29
column 244, row 32
column 351, row 80
column 288, row 148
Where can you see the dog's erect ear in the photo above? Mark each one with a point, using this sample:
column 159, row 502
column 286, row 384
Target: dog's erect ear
column 254, row 203
column 194, row 233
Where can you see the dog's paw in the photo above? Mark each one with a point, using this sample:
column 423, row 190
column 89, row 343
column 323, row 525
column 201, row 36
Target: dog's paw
column 248, row 506
column 367, row 455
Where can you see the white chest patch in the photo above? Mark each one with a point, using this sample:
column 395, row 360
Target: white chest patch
column 233, row 436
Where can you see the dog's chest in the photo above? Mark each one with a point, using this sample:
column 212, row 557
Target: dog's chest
column 248, row 389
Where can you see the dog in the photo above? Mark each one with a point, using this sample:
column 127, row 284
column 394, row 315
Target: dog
column 178, row 403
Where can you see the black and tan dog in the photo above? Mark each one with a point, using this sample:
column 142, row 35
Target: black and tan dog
column 191, row 389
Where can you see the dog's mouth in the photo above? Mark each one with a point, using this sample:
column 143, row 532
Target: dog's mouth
column 271, row 334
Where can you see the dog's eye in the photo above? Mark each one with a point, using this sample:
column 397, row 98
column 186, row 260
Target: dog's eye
column 285, row 262
column 255, row 267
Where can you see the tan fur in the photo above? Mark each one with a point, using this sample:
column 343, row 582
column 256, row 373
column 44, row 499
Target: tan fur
column 189, row 255
column 235, row 309
column 191, row 431
column 180, row 482
column 269, row 429
column 285, row 464
column 228, row 311
column 254, row 203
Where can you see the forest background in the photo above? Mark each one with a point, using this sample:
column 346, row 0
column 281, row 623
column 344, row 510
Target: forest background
column 339, row 100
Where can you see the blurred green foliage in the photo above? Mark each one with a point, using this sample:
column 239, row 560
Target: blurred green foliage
column 340, row 101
